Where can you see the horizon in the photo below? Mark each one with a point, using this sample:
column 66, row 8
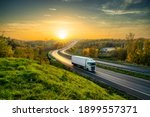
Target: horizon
column 56, row 39
column 84, row 19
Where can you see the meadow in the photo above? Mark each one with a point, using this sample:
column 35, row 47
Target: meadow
column 24, row 79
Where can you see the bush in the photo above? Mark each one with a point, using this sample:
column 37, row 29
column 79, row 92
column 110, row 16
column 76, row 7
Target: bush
column 6, row 50
column 21, row 68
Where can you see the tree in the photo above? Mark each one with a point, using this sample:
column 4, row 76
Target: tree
column 6, row 50
column 146, row 52
column 130, row 36
column 24, row 52
column 122, row 54
column 94, row 52
column 138, row 51
column 86, row 52
column 119, row 54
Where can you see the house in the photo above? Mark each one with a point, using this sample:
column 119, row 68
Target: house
column 107, row 49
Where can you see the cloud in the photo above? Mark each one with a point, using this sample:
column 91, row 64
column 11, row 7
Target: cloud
column 71, row 0
column 93, row 17
column 127, row 3
column 81, row 17
column 121, row 4
column 69, row 17
column 123, row 7
column 132, row 1
column 56, row 22
column 121, row 12
column 65, row 0
column 22, row 25
column 52, row 9
column 5, row 31
column 47, row 15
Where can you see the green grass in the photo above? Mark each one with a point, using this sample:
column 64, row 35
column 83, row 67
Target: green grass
column 26, row 79
column 138, row 75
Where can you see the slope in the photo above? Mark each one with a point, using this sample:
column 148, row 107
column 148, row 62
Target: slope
column 27, row 80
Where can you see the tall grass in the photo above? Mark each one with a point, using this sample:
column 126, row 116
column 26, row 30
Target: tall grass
column 26, row 79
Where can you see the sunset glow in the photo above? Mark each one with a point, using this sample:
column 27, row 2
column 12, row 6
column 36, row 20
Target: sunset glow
column 92, row 19
column 62, row 34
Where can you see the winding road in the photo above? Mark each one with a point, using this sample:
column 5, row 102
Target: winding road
column 134, row 86
column 138, row 69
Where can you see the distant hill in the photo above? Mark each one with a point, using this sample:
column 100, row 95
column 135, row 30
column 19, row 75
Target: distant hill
column 26, row 79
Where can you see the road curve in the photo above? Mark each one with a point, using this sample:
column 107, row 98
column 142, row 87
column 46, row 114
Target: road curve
column 134, row 86
column 61, row 59
column 141, row 70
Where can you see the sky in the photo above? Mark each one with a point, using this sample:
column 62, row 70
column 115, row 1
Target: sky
column 77, row 19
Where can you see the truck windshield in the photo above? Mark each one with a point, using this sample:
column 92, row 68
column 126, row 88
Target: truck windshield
column 91, row 63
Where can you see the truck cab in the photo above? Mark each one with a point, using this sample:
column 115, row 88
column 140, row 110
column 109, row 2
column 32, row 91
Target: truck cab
column 90, row 65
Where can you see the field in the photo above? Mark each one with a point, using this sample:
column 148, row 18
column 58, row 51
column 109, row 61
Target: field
column 28, row 80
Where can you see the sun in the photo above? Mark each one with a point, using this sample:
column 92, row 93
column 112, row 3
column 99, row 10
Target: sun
column 62, row 34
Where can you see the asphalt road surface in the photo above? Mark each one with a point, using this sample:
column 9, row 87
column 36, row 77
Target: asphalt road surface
column 138, row 69
column 134, row 86
column 126, row 67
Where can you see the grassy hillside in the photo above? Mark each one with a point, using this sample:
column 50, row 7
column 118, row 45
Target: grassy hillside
column 26, row 79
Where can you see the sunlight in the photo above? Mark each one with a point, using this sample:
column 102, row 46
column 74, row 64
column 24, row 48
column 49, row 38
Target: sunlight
column 62, row 34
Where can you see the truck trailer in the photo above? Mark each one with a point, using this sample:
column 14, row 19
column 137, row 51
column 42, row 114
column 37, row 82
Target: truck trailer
column 84, row 62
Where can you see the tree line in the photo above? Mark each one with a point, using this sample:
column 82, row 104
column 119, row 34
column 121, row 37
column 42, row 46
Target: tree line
column 129, row 50
column 36, row 50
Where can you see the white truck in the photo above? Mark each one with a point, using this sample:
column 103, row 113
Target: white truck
column 84, row 62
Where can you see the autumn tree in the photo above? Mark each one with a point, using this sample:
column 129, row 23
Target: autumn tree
column 91, row 52
column 94, row 52
column 5, row 49
column 146, row 52
column 130, row 36
column 138, row 51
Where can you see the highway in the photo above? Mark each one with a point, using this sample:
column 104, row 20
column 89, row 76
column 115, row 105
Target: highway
column 137, row 69
column 134, row 86
column 126, row 67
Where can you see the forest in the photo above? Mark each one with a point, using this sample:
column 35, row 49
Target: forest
column 128, row 50
column 36, row 50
